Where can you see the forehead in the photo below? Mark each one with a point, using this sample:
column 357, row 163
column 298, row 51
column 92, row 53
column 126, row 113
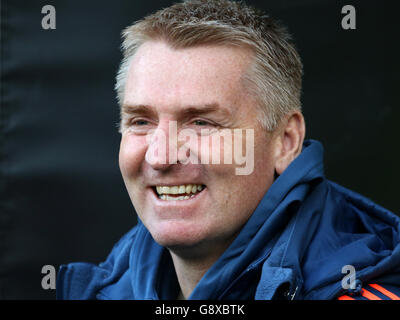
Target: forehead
column 162, row 76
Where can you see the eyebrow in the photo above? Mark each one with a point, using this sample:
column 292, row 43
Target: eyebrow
column 189, row 110
column 138, row 109
column 206, row 109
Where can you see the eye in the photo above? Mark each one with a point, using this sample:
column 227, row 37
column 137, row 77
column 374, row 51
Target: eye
column 138, row 125
column 140, row 122
column 201, row 123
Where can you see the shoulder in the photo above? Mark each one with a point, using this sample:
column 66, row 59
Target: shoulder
column 374, row 291
column 360, row 202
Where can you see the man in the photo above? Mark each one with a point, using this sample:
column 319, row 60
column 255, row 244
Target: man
column 277, row 230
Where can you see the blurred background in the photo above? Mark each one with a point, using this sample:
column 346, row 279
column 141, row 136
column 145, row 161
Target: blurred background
column 62, row 197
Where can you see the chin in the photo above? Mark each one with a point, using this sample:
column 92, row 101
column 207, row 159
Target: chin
column 173, row 234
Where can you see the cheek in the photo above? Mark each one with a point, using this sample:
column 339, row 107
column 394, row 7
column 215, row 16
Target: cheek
column 131, row 155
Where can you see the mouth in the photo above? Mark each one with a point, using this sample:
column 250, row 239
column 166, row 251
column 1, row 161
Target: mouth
column 178, row 192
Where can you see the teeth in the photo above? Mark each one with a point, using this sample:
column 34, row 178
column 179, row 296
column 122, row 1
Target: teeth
column 166, row 197
column 174, row 190
column 187, row 191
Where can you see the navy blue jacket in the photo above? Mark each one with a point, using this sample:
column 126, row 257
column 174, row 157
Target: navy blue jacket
column 294, row 246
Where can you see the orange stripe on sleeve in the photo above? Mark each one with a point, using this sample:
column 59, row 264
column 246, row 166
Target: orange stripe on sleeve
column 369, row 295
column 384, row 291
column 346, row 298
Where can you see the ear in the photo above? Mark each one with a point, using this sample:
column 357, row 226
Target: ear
column 289, row 141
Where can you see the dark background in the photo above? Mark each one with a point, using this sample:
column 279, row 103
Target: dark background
column 62, row 198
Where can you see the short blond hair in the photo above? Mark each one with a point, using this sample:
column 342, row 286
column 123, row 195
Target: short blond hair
column 275, row 76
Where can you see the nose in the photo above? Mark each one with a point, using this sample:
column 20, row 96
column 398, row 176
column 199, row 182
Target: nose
column 162, row 146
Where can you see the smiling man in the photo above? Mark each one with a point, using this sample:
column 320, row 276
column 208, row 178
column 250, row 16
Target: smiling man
column 201, row 81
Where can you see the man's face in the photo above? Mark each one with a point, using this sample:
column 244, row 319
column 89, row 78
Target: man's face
column 195, row 88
